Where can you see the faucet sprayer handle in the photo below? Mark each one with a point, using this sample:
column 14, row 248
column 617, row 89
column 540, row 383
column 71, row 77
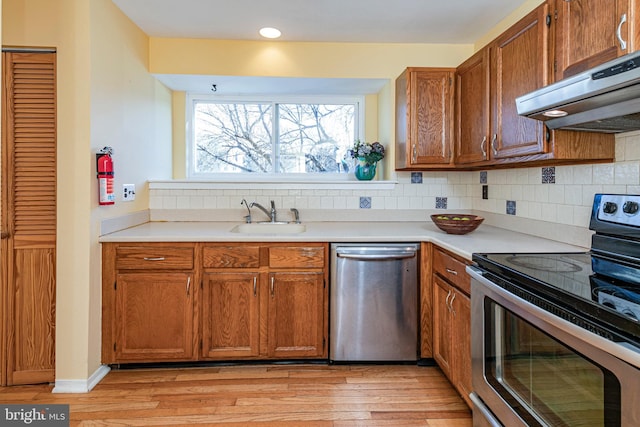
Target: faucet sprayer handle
column 296, row 215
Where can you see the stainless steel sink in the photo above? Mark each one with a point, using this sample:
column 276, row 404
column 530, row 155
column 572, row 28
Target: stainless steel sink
column 270, row 228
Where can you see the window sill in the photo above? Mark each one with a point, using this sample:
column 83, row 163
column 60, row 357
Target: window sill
column 271, row 185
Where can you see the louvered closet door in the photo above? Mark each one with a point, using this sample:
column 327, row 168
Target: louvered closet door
column 28, row 216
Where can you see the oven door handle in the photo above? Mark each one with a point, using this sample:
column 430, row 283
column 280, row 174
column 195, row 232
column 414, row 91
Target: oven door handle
column 486, row 413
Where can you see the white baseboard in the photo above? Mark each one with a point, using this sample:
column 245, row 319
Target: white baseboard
column 81, row 386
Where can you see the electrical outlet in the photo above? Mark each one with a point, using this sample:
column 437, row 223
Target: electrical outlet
column 485, row 192
column 128, row 192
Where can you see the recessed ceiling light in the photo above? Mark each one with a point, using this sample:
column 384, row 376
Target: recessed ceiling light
column 270, row 33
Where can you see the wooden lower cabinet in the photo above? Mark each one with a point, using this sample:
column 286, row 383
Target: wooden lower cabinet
column 231, row 313
column 296, row 315
column 154, row 313
column 452, row 321
column 265, row 301
column 170, row 302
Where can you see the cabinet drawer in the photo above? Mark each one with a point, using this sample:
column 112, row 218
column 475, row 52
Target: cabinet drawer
column 296, row 256
column 452, row 269
column 231, row 256
column 154, row 257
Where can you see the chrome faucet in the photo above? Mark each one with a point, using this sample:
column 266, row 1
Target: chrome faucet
column 247, row 217
column 271, row 214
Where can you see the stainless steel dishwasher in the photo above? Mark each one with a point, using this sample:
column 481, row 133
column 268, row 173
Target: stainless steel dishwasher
column 374, row 302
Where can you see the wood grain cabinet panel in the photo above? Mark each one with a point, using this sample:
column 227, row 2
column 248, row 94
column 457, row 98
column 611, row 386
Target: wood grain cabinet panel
column 452, row 320
column 231, row 313
column 150, row 257
column 591, row 32
column 296, row 257
column 264, row 301
column 296, row 315
column 149, row 294
column 424, row 119
column 28, row 218
column 231, row 256
column 154, row 313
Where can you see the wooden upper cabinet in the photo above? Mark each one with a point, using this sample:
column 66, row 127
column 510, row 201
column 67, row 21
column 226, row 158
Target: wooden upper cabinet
column 424, row 113
column 472, row 109
column 590, row 32
column 519, row 64
column 488, row 127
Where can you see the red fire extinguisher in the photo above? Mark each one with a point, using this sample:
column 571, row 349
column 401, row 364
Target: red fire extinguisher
column 105, row 176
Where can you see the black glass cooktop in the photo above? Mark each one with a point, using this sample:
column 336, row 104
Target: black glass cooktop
column 601, row 289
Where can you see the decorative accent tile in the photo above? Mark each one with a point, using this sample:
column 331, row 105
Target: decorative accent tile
column 441, row 203
column 416, row 177
column 549, row 175
column 511, row 207
column 365, row 202
column 483, row 177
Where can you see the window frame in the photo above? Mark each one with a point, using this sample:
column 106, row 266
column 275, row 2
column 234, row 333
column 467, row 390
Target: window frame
column 192, row 99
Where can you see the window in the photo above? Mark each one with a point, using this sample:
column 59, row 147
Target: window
column 282, row 137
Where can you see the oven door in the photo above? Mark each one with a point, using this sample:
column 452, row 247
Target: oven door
column 532, row 368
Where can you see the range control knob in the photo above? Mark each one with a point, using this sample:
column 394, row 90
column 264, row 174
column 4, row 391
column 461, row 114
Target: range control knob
column 609, row 208
column 630, row 208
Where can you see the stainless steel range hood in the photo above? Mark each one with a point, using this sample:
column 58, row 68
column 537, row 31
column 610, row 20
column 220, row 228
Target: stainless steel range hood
column 603, row 99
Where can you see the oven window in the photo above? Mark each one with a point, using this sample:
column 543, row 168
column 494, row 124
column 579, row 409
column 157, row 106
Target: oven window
column 544, row 381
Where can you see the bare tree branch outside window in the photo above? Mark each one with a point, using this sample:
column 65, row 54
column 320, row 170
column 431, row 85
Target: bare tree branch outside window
column 239, row 137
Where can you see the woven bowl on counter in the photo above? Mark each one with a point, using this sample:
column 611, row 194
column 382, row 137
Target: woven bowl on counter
column 457, row 223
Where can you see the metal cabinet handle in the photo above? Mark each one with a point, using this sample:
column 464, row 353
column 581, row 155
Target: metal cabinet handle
column 493, row 144
column 160, row 258
column 446, row 300
column 453, row 310
column 483, row 144
column 414, row 155
column 188, row 285
column 273, row 290
column 450, row 271
column 623, row 43
column 255, row 286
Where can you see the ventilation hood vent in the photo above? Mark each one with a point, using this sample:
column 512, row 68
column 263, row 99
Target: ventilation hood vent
column 603, row 99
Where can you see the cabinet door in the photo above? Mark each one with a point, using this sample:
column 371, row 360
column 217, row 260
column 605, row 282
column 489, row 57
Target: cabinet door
column 230, row 312
column 472, row 109
column 590, row 32
column 519, row 64
column 461, row 343
column 424, row 110
column 296, row 315
column 154, row 317
column 430, row 117
column 28, row 218
column 442, row 324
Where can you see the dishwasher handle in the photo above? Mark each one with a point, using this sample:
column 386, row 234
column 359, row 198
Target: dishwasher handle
column 354, row 253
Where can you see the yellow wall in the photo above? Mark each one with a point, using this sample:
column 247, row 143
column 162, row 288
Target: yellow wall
column 514, row 17
column 312, row 60
column 105, row 97
column 289, row 59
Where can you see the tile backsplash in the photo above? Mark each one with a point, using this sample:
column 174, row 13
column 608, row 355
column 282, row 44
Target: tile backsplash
column 561, row 194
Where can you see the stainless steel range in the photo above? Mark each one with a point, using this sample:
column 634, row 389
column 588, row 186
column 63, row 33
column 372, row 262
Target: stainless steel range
column 556, row 336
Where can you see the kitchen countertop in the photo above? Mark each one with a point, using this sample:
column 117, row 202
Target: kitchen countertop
column 484, row 239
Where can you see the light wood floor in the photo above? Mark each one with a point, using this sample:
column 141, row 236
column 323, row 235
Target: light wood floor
column 262, row 396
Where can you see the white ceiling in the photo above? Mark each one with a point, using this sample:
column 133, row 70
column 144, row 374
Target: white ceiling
column 363, row 21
